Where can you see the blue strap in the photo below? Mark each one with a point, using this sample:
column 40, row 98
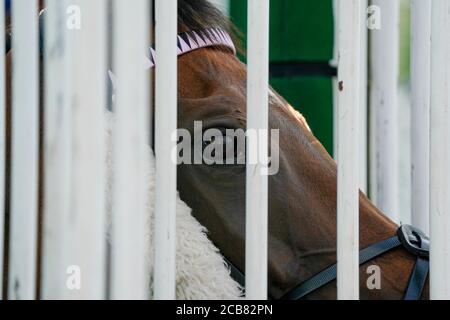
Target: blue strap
column 417, row 279
column 416, row 282
column 330, row 274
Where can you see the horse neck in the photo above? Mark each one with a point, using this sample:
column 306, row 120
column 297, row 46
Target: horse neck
column 302, row 232
column 311, row 245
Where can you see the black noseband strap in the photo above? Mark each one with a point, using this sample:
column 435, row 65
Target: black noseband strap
column 330, row 274
column 412, row 239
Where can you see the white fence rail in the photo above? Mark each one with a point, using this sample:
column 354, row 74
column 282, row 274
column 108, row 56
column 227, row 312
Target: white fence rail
column 87, row 229
column 350, row 49
column 440, row 151
column 25, row 139
column 420, row 112
column 165, row 126
column 430, row 175
column 128, row 267
column 258, row 121
column 384, row 69
column 74, row 247
column 2, row 145
column 57, row 152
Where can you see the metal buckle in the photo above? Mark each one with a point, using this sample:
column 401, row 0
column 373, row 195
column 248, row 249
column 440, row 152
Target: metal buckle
column 414, row 240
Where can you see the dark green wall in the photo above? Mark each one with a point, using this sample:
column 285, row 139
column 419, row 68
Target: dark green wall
column 301, row 31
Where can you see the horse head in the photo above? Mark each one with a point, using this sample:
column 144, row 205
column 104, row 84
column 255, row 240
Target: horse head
column 302, row 195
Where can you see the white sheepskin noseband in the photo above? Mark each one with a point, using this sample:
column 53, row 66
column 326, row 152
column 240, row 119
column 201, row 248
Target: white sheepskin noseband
column 201, row 271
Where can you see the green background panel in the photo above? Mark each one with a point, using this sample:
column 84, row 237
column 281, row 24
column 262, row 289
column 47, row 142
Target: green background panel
column 300, row 30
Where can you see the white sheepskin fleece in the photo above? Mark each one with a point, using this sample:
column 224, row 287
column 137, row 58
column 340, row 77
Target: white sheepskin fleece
column 201, row 271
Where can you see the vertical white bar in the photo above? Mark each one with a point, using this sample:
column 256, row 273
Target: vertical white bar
column 350, row 17
column 87, row 250
column 57, row 151
column 420, row 113
column 363, row 110
column 440, row 152
column 165, row 129
column 128, row 277
column 256, row 250
column 25, row 121
column 2, row 144
column 383, row 102
column 363, row 114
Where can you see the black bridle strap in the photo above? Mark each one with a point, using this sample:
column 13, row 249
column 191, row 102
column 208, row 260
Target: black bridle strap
column 417, row 280
column 330, row 274
column 235, row 273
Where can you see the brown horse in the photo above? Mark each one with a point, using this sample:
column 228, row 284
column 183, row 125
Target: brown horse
column 302, row 204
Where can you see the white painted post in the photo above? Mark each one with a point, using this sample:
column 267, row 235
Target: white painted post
column 350, row 17
column 57, row 151
column 440, row 152
column 165, row 129
column 420, row 113
column 24, row 175
column 129, row 279
column 2, row 143
column 257, row 120
column 383, row 104
column 363, row 109
column 86, row 231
